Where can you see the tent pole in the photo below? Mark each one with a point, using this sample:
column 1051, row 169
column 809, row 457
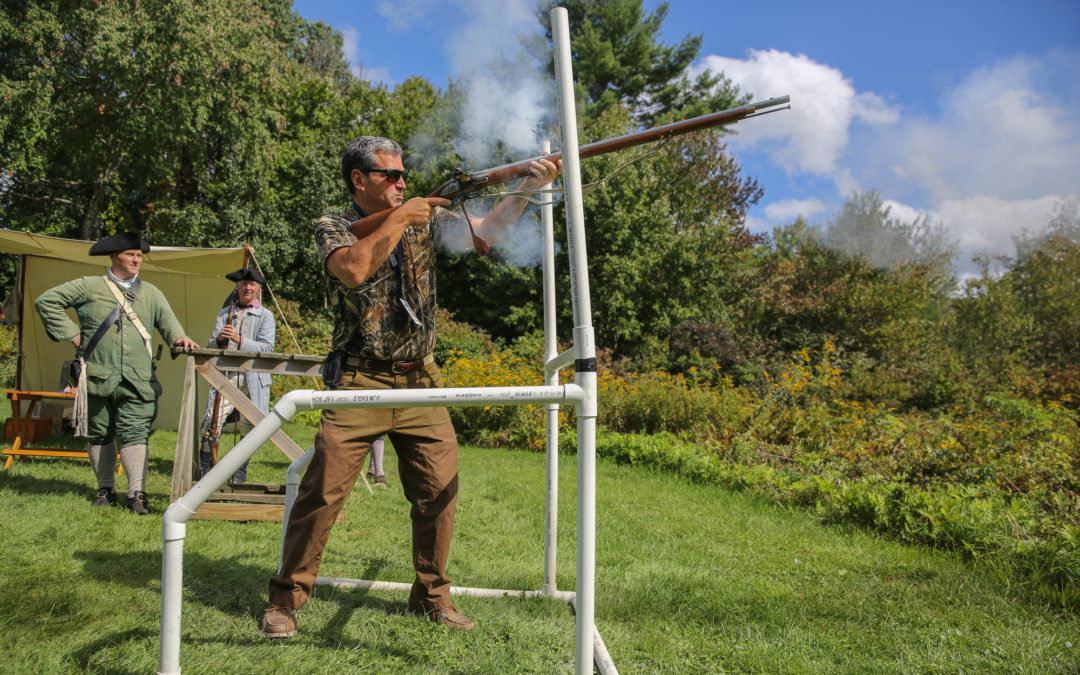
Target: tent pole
column 21, row 275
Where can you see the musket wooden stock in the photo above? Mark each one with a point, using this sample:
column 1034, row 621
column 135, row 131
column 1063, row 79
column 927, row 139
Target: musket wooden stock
column 463, row 183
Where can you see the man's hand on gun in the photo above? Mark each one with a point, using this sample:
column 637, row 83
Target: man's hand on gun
column 542, row 171
column 417, row 211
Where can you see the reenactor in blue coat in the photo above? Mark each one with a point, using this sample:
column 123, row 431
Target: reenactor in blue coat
column 243, row 324
column 117, row 385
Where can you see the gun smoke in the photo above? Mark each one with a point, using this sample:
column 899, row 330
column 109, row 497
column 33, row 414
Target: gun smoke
column 503, row 108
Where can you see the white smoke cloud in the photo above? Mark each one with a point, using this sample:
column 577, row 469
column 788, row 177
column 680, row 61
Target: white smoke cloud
column 521, row 246
column 406, row 14
column 506, row 98
column 505, row 102
column 510, row 107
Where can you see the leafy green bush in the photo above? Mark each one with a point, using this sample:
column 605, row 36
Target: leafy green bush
column 455, row 339
column 489, row 425
column 300, row 330
column 658, row 402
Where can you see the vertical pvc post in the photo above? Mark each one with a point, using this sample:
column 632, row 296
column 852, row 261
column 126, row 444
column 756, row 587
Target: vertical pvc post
column 293, row 477
column 551, row 529
column 172, row 590
column 584, row 345
column 174, row 523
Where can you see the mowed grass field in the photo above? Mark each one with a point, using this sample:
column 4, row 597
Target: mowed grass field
column 689, row 579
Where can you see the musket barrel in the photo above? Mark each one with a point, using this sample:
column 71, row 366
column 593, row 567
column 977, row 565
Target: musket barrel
column 678, row 128
column 507, row 172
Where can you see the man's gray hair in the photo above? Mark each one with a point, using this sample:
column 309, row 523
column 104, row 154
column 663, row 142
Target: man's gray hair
column 360, row 154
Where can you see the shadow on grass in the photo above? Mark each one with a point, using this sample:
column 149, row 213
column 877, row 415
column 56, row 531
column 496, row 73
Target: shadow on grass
column 30, row 485
column 160, row 465
column 349, row 600
column 84, row 655
column 237, row 588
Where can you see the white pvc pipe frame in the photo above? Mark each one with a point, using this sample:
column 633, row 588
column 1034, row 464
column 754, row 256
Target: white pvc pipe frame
column 582, row 393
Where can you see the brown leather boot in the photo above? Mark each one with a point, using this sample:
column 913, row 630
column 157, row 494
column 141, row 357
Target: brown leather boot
column 447, row 616
column 279, row 622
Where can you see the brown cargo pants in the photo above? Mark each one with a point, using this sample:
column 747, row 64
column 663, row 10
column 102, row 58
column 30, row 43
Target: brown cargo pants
column 427, row 452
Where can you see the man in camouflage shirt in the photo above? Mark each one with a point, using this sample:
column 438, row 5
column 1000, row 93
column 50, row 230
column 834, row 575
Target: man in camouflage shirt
column 382, row 287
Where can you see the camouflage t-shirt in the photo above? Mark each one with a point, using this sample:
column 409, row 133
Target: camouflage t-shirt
column 391, row 316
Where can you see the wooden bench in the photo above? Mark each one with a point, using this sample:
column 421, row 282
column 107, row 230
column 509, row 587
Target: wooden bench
column 22, row 428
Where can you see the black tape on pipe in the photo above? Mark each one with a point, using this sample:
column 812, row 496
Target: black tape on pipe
column 585, row 365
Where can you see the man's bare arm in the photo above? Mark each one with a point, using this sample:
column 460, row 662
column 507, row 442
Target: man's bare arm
column 494, row 225
column 355, row 264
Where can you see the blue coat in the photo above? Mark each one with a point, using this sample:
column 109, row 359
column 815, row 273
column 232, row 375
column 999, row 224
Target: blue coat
column 259, row 332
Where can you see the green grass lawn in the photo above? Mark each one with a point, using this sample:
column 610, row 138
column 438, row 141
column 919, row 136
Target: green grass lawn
column 689, row 579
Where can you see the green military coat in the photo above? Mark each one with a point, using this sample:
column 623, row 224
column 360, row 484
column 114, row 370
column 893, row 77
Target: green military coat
column 121, row 353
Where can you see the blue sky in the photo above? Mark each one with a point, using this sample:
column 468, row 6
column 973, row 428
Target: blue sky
column 965, row 112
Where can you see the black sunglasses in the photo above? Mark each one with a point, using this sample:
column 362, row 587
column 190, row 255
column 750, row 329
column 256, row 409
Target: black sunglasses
column 392, row 175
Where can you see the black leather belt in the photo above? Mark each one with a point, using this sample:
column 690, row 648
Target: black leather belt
column 378, row 366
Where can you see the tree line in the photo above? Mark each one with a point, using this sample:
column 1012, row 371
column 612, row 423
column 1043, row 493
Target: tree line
column 205, row 122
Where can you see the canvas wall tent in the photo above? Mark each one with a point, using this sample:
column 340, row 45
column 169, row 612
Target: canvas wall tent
column 193, row 280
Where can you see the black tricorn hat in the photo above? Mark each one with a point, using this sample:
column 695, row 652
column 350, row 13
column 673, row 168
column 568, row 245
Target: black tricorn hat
column 118, row 243
column 247, row 274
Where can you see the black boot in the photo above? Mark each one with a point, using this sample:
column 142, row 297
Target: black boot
column 138, row 504
column 240, row 476
column 105, row 497
column 204, row 457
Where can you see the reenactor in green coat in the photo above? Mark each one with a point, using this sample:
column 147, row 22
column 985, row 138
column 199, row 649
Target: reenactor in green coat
column 117, row 386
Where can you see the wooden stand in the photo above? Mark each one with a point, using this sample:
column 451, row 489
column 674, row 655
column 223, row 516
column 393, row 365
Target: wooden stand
column 248, row 501
column 25, row 429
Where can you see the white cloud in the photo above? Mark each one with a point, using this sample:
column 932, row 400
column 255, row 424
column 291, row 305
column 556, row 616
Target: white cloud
column 982, row 224
column 789, row 209
column 351, row 44
column 376, row 75
column 755, row 224
column 351, row 47
column 903, row 212
column 1000, row 131
column 813, row 135
column 1001, row 148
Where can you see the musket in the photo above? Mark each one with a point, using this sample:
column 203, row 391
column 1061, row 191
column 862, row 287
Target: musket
column 464, row 183
column 215, row 435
